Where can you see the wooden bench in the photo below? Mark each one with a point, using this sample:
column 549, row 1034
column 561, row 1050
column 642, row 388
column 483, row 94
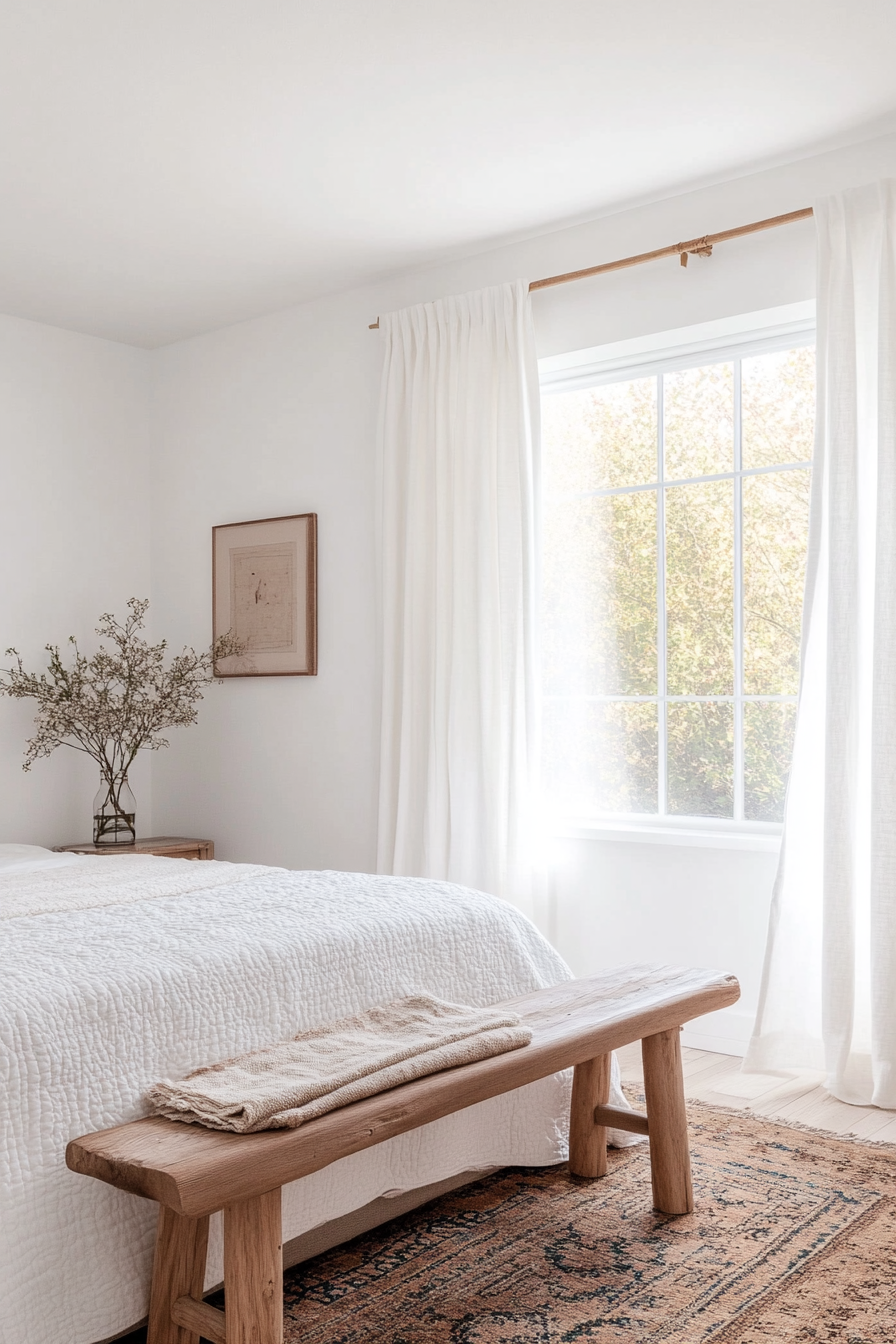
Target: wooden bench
column 193, row 1172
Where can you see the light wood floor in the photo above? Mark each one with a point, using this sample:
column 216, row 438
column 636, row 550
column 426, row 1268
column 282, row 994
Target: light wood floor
column 797, row 1096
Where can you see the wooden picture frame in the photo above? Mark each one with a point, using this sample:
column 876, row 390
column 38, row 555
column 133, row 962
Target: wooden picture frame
column 264, row 591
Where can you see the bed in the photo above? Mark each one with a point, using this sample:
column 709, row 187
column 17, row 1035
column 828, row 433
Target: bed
column 118, row 971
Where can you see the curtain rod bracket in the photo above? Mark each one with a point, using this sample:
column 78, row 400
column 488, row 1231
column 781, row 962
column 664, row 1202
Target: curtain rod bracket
column 700, row 247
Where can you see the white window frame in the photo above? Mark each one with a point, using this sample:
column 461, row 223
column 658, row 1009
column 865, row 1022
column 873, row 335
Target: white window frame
column 721, row 341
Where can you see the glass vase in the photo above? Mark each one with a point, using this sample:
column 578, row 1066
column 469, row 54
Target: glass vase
column 114, row 813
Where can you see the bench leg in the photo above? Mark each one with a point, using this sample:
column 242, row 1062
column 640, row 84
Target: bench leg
column 253, row 1270
column 178, row 1271
column 588, row 1141
column 670, row 1160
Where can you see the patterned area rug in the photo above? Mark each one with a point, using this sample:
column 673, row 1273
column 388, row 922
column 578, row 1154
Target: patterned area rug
column 793, row 1239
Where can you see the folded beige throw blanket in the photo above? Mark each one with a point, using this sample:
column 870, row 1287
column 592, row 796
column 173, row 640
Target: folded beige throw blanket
column 284, row 1085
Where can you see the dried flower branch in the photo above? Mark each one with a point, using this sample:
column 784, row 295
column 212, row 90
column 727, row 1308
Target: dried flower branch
column 119, row 701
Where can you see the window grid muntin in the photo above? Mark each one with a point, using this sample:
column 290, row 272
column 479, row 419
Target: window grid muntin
column 660, row 486
column 570, row 495
column 739, row 764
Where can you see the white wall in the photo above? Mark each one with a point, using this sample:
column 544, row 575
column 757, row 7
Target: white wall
column 278, row 415
column 105, row 448
column 272, row 417
column 74, row 541
column 619, row 901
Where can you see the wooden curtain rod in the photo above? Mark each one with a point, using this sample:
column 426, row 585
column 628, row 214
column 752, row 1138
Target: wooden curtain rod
column 695, row 247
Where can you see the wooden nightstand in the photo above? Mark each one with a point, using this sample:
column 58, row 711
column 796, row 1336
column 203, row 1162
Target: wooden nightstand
column 168, row 846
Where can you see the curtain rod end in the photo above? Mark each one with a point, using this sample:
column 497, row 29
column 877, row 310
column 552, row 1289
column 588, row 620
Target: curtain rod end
column 373, row 326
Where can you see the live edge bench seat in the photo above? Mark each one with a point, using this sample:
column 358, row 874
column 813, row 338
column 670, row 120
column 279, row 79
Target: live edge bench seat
column 193, row 1172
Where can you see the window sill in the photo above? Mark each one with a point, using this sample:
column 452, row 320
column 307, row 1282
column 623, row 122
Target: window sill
column 696, row 833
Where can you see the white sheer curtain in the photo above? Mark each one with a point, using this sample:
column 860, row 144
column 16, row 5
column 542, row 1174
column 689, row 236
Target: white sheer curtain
column 457, row 579
column 829, row 989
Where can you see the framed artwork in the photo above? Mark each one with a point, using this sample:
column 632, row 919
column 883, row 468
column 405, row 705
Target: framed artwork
column 264, row 591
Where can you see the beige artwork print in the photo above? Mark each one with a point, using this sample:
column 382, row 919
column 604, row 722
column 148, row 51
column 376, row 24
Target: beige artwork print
column 263, row 596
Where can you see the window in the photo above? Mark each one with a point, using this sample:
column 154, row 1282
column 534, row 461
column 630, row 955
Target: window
column 676, row 508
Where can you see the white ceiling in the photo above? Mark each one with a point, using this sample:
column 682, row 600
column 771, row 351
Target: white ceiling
column 169, row 166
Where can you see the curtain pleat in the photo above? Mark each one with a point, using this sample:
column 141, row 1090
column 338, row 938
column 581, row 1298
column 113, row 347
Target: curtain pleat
column 828, row 997
column 457, row 563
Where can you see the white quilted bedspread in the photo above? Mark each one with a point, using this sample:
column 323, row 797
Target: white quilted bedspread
column 100, row 1000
